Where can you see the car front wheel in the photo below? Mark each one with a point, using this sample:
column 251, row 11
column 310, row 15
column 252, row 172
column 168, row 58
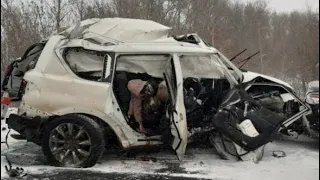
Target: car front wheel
column 73, row 141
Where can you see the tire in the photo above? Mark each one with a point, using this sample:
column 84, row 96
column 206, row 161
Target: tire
column 85, row 142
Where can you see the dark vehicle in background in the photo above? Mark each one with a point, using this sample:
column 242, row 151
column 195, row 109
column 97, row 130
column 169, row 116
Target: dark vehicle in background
column 311, row 119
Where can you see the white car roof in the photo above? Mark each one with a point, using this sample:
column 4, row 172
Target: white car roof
column 117, row 30
column 125, row 35
column 154, row 47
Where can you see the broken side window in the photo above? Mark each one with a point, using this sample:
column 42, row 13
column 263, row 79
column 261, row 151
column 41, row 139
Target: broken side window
column 87, row 64
column 13, row 81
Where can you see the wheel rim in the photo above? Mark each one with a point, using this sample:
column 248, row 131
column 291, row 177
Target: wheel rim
column 70, row 144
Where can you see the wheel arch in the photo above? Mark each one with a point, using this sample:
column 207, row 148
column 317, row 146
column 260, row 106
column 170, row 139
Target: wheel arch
column 107, row 123
column 108, row 130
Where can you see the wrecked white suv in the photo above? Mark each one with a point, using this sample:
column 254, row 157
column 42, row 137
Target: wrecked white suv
column 73, row 93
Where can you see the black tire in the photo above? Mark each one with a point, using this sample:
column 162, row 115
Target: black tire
column 93, row 131
column 216, row 141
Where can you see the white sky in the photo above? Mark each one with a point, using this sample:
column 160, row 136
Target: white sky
column 289, row 5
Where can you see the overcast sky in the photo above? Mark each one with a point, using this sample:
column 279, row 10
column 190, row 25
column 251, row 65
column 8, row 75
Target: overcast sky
column 289, row 5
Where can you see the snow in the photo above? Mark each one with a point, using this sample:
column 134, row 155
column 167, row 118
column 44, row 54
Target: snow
column 301, row 162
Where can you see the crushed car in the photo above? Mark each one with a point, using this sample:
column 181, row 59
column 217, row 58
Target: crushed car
column 127, row 78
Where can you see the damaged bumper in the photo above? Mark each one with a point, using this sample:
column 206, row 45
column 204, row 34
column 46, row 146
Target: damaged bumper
column 30, row 128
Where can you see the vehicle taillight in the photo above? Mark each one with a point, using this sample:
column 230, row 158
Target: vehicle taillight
column 5, row 100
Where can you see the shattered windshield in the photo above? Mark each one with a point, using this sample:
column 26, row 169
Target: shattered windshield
column 201, row 66
column 205, row 66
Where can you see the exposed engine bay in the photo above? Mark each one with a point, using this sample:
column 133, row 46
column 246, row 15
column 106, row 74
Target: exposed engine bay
column 275, row 99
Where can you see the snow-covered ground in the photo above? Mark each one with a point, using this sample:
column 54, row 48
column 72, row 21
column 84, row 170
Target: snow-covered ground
column 301, row 162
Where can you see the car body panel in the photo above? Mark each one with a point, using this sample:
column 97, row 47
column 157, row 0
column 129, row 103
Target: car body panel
column 53, row 89
column 53, row 81
column 178, row 112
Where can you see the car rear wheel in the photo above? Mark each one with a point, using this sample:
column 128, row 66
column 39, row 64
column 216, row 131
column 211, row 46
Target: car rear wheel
column 73, row 141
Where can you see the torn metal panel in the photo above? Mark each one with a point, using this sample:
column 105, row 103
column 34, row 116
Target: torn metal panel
column 230, row 116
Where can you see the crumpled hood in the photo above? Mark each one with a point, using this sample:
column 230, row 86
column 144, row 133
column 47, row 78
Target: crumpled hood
column 248, row 76
column 114, row 30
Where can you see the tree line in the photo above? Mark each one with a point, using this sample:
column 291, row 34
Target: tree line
column 288, row 42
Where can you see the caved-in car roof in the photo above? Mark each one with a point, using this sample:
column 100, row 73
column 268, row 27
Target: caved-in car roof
column 114, row 30
column 126, row 35
column 129, row 36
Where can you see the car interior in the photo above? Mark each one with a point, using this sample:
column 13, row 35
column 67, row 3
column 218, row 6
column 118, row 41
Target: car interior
column 202, row 97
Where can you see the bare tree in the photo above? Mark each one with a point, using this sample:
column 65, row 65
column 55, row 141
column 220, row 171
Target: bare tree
column 58, row 11
column 288, row 42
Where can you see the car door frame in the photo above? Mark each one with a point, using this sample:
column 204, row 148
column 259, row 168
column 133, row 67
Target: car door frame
column 177, row 113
